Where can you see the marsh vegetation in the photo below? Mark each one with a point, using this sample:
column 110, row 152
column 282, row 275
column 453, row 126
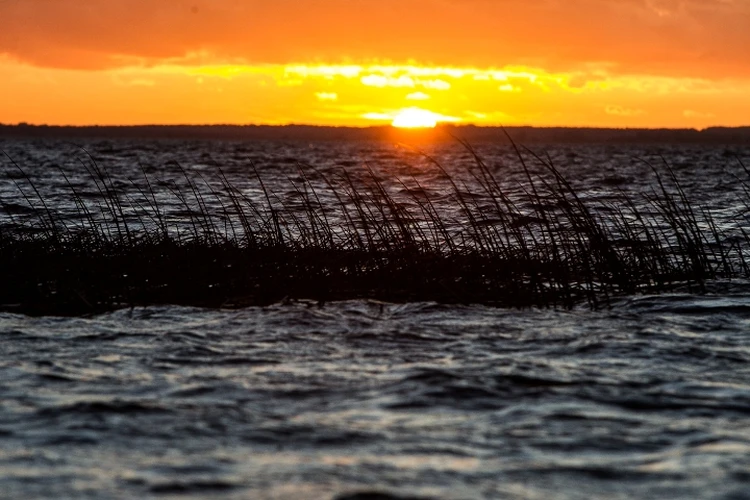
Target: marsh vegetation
column 102, row 241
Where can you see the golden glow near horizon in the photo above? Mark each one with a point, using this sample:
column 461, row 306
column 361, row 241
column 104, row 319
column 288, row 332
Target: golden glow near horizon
column 361, row 95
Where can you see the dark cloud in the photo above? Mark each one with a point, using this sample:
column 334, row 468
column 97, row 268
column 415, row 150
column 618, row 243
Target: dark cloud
column 706, row 38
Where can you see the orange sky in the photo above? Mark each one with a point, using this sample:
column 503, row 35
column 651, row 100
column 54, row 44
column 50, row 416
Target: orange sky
column 620, row 63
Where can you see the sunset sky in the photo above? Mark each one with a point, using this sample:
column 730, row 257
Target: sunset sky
column 609, row 63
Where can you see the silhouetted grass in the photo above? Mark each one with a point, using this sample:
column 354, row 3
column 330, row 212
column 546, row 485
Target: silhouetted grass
column 550, row 249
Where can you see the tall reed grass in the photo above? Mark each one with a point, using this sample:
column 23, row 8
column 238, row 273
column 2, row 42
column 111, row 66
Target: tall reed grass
column 550, row 248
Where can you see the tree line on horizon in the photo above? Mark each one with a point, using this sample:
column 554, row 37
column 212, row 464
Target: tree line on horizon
column 471, row 133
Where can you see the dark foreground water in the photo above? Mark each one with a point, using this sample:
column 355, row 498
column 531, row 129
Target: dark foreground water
column 647, row 399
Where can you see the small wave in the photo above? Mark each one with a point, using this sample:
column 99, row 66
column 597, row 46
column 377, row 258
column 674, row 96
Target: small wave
column 377, row 495
column 308, row 436
column 691, row 304
column 192, row 487
column 105, row 407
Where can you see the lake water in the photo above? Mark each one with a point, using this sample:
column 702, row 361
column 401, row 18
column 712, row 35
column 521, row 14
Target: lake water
column 647, row 398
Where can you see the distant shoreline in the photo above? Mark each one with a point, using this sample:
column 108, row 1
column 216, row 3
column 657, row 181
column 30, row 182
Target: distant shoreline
column 473, row 134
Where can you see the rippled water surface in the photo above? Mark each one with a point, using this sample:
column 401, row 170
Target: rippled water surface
column 649, row 398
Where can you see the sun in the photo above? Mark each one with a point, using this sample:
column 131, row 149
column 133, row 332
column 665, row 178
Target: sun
column 415, row 118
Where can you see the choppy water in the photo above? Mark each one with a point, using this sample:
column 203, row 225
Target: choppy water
column 713, row 176
column 648, row 399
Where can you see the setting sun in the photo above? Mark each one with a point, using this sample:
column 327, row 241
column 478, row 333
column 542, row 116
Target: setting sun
column 415, row 118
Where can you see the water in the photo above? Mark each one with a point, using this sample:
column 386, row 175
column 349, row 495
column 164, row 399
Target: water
column 649, row 398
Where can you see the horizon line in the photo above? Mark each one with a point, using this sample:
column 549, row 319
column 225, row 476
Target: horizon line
column 362, row 127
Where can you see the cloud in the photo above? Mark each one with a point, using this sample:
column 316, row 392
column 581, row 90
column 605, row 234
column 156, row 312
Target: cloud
column 623, row 111
column 417, row 96
column 689, row 113
column 381, row 81
column 702, row 38
column 436, row 84
column 327, row 96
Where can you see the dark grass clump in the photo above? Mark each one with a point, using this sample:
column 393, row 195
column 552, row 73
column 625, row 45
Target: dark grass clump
column 345, row 236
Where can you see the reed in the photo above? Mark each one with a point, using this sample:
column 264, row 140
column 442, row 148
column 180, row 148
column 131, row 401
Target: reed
column 346, row 236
